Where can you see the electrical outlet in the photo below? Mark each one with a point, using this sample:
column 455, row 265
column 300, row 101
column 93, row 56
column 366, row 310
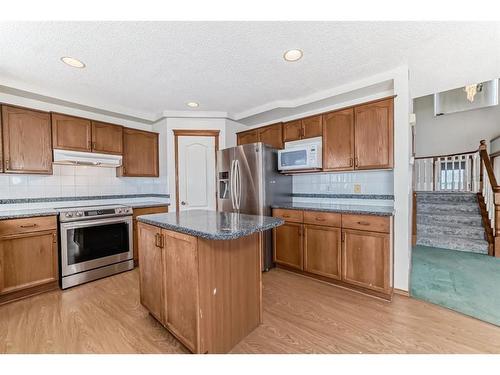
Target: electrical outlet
column 357, row 188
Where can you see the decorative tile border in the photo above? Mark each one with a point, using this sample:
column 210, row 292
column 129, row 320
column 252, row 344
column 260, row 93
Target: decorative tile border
column 80, row 198
column 343, row 196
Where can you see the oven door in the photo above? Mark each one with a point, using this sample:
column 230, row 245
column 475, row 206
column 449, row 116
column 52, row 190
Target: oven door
column 293, row 159
column 91, row 244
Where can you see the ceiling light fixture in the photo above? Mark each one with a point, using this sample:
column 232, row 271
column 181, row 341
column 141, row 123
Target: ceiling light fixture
column 192, row 104
column 293, row 55
column 71, row 61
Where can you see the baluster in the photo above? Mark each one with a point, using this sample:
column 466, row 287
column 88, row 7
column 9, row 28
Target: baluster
column 467, row 182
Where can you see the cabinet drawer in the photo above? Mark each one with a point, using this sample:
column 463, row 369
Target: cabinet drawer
column 26, row 225
column 322, row 218
column 289, row 215
column 367, row 222
column 149, row 210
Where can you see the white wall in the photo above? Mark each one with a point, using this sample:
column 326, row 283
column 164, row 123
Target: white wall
column 453, row 133
column 69, row 181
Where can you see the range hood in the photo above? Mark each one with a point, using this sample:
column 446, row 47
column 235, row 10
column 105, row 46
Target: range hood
column 466, row 98
column 91, row 159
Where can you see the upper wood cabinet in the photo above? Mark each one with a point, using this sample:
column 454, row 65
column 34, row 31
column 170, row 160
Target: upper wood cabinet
column 140, row 154
column 27, row 146
column 338, row 140
column 271, row 135
column 308, row 127
column 71, row 133
column 373, row 129
column 107, row 138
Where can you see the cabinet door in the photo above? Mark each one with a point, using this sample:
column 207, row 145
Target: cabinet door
column 107, row 138
column 338, row 140
column 1, row 142
column 139, row 212
column 288, row 247
column 292, row 130
column 71, row 133
column 27, row 260
column 26, row 141
column 272, row 135
column 248, row 137
column 140, row 154
column 180, row 263
column 366, row 260
column 373, row 129
column 322, row 250
column 150, row 270
column 312, row 127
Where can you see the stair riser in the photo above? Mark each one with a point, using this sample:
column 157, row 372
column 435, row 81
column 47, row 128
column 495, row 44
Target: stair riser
column 449, row 220
column 459, row 231
column 460, row 245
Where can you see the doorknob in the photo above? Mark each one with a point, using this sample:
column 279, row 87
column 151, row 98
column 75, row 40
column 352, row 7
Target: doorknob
column 183, row 203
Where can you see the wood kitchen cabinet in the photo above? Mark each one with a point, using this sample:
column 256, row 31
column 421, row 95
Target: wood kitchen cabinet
column 288, row 245
column 28, row 257
column 71, row 133
column 139, row 212
column 271, row 135
column 140, row 154
column 338, row 140
column 308, row 127
column 373, row 129
column 26, row 136
column 352, row 250
column 366, row 259
column 151, row 271
column 107, row 138
column 322, row 250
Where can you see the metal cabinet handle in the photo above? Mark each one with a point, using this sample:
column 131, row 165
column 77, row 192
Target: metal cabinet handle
column 319, row 219
column 29, row 226
column 350, row 162
column 7, row 164
column 356, row 162
column 157, row 239
column 363, row 223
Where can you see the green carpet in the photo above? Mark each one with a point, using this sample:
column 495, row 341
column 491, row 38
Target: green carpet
column 465, row 282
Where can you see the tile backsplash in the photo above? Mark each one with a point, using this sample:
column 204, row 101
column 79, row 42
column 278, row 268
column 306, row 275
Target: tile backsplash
column 369, row 182
column 71, row 181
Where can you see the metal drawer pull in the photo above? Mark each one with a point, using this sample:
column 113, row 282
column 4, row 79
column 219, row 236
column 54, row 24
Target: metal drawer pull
column 319, row 219
column 29, row 226
column 363, row 223
column 286, row 215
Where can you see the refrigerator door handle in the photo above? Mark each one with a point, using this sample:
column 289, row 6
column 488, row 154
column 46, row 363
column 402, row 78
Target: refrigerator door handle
column 231, row 183
column 238, row 176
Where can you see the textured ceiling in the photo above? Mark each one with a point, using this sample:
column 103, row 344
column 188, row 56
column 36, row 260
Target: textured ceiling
column 146, row 68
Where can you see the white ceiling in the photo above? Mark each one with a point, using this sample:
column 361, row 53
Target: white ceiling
column 146, row 68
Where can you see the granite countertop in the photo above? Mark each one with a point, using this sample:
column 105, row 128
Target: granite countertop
column 24, row 211
column 212, row 225
column 340, row 208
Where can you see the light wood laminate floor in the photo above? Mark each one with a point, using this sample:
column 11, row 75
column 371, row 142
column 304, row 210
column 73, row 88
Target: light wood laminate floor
column 300, row 316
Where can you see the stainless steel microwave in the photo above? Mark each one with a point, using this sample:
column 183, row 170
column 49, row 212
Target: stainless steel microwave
column 304, row 154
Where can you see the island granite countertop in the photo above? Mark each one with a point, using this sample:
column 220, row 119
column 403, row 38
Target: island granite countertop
column 339, row 208
column 212, row 225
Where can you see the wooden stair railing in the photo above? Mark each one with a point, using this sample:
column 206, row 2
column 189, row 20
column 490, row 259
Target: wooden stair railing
column 489, row 194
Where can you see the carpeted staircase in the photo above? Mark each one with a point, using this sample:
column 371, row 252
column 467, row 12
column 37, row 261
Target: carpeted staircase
column 450, row 221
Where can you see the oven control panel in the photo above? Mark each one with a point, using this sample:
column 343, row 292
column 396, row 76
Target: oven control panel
column 71, row 214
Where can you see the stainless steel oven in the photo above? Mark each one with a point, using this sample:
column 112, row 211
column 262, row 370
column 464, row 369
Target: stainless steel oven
column 95, row 242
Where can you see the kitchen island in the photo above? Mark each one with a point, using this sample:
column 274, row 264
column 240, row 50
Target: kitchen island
column 200, row 275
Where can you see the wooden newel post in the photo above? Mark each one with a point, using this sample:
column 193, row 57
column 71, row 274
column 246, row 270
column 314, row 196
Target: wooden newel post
column 496, row 199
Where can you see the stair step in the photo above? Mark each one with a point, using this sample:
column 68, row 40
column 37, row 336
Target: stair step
column 449, row 219
column 456, row 230
column 438, row 197
column 453, row 243
column 448, row 207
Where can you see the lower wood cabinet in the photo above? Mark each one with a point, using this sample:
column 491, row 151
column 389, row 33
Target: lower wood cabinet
column 28, row 257
column 139, row 212
column 366, row 259
column 351, row 250
column 288, row 245
column 322, row 249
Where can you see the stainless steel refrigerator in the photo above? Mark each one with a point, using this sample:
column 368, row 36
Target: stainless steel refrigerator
column 248, row 182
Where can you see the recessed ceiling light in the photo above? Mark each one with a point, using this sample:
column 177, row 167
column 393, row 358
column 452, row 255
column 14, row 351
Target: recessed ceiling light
column 293, row 55
column 71, row 61
column 192, row 104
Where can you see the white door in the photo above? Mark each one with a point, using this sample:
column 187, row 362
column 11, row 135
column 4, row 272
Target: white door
column 196, row 173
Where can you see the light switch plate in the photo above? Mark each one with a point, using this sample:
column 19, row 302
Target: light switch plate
column 357, row 188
